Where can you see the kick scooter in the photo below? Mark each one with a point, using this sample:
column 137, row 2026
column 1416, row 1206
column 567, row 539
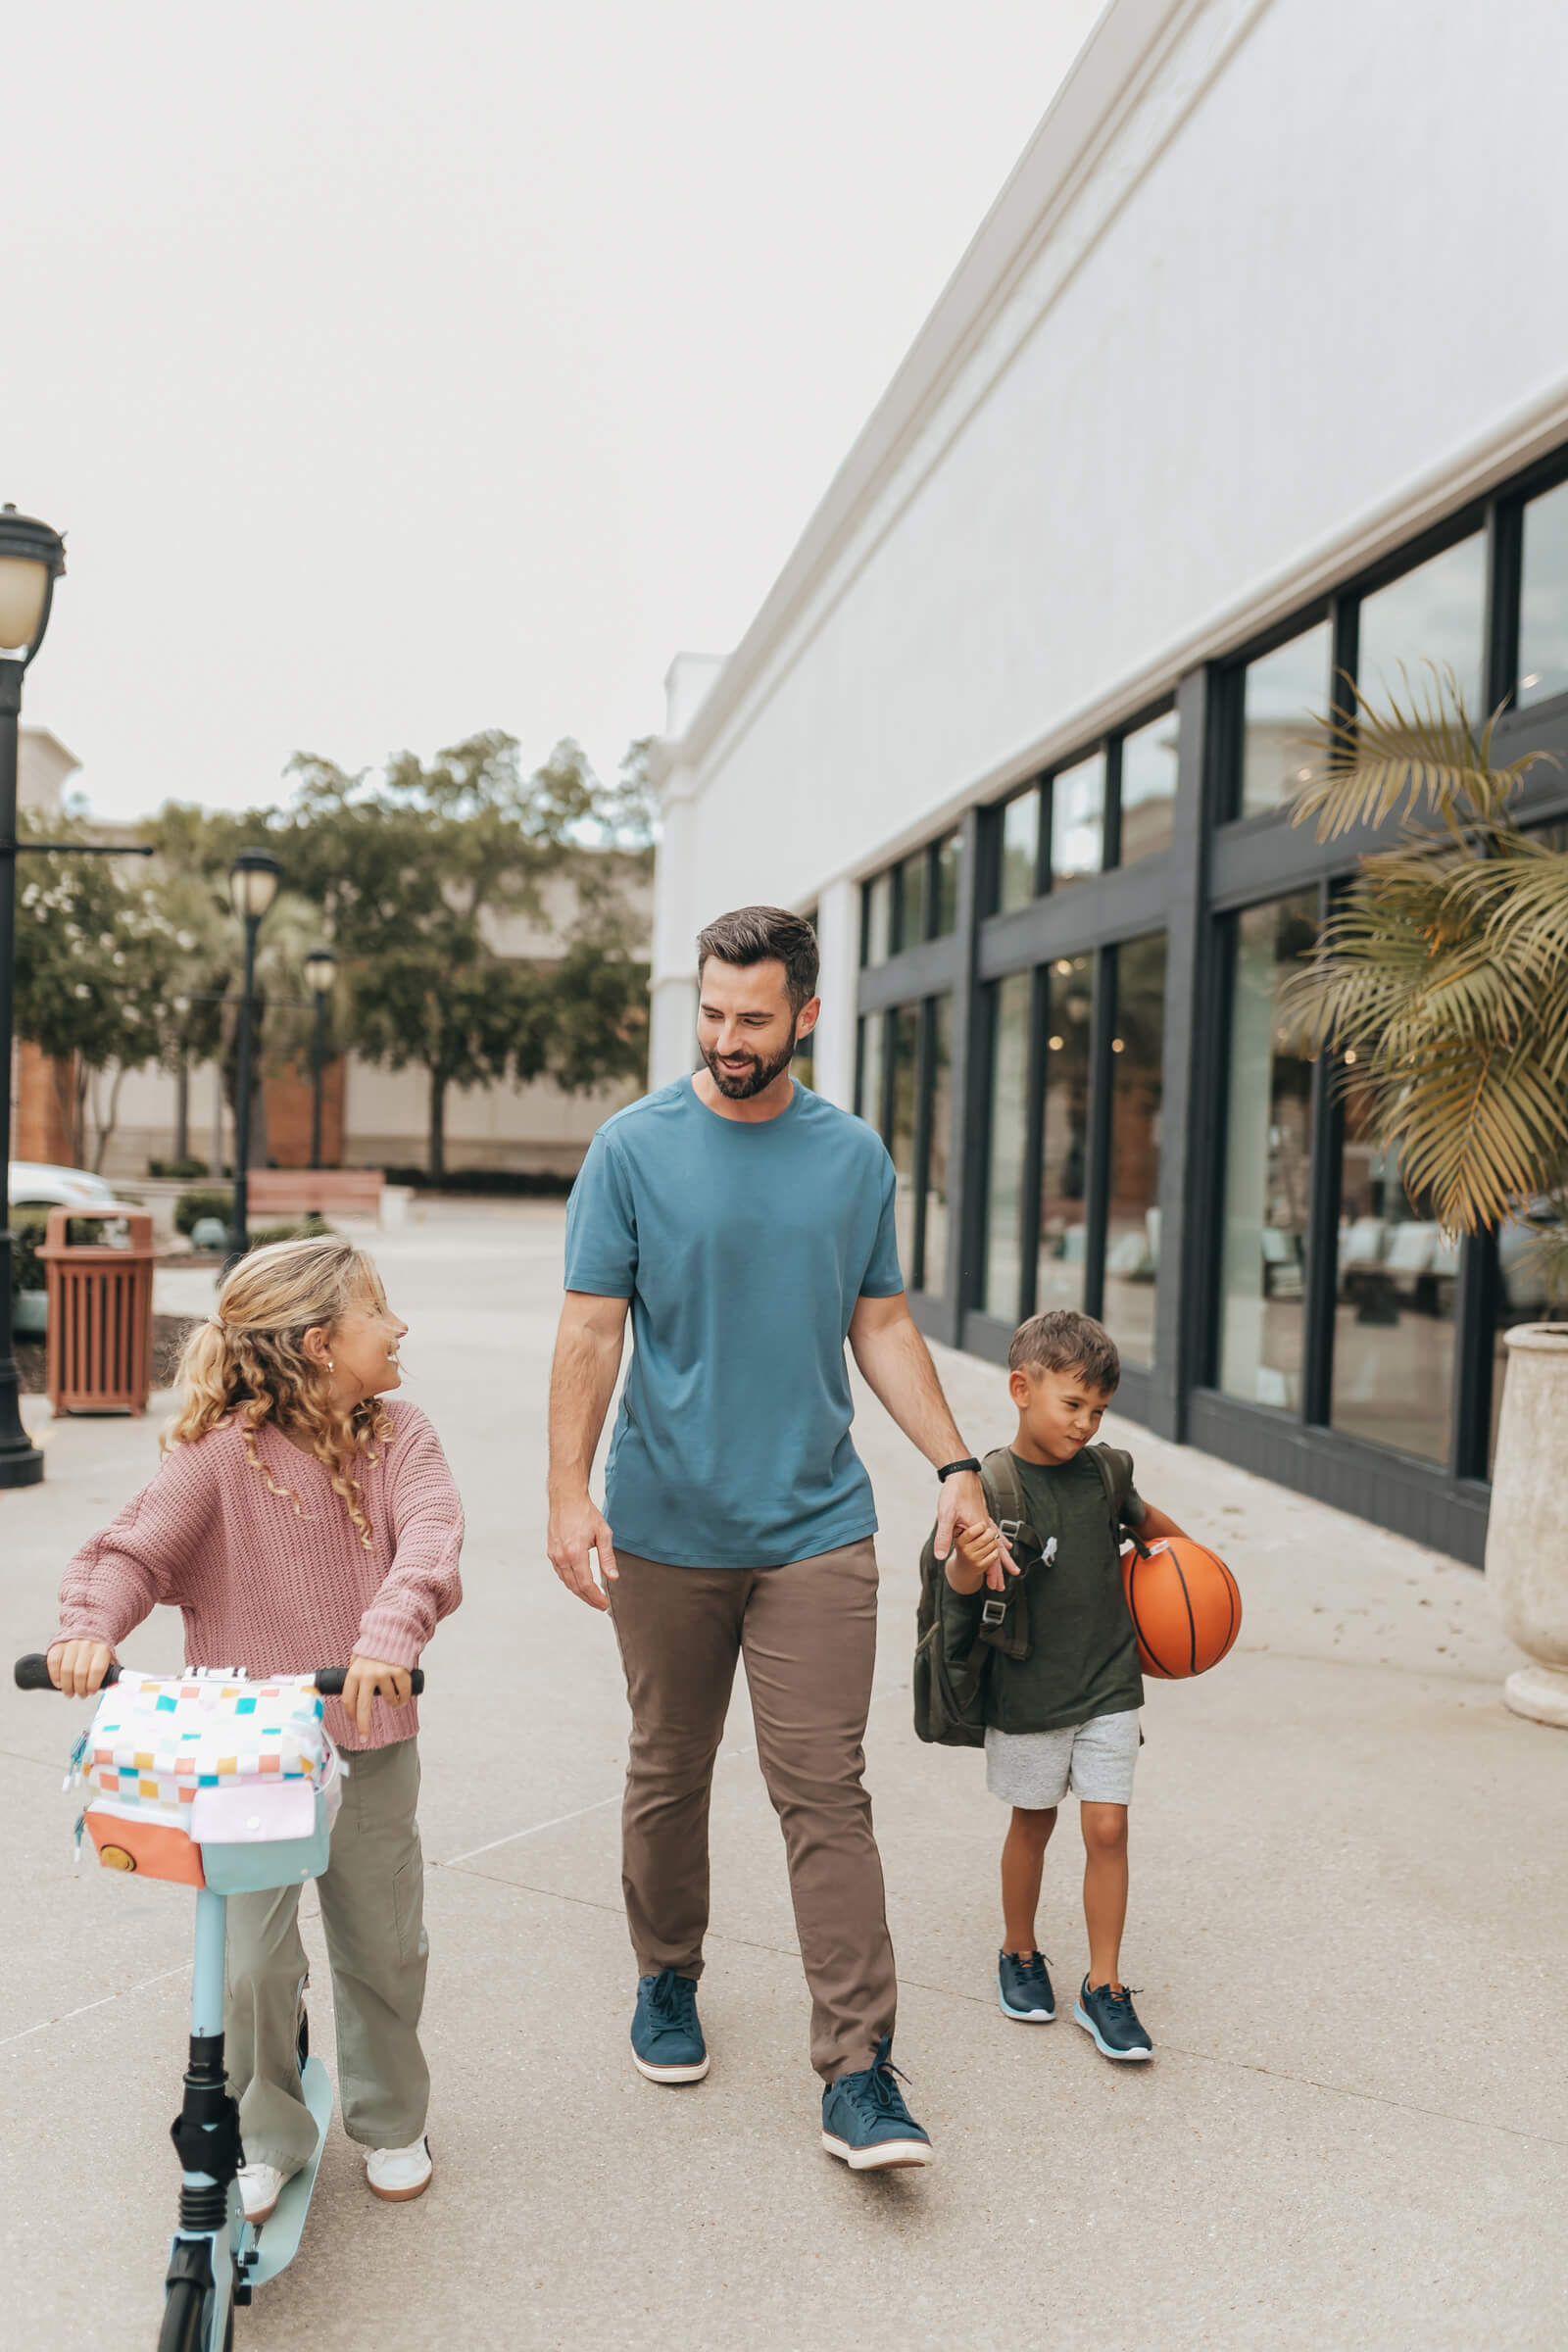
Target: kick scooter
column 217, row 2259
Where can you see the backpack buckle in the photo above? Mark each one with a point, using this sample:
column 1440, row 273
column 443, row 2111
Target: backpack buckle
column 1009, row 1530
column 995, row 1610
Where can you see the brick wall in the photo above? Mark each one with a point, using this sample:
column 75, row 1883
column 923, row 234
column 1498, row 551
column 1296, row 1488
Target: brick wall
column 40, row 1131
column 288, row 1097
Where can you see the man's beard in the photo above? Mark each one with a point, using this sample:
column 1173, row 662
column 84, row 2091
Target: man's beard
column 754, row 1081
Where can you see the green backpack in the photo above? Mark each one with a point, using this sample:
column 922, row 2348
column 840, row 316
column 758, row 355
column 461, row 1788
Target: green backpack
column 951, row 1699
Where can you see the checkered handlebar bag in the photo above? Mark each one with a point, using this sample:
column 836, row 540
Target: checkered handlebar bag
column 211, row 1779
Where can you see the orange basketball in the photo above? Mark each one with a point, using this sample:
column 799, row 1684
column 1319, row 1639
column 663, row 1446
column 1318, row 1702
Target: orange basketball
column 1185, row 1606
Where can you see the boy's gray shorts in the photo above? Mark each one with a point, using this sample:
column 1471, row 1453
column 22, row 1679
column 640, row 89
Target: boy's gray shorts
column 1035, row 1770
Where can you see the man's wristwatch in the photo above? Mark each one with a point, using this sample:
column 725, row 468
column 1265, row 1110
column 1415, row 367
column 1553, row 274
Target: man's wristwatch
column 950, row 1469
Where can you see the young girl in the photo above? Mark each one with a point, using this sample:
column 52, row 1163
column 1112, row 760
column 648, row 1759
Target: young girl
column 298, row 1521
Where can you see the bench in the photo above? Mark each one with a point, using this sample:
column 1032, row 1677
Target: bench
column 329, row 1192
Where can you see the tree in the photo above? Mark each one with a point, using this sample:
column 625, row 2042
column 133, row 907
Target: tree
column 1440, row 981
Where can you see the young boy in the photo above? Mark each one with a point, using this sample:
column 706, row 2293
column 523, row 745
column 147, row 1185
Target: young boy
column 1066, row 1715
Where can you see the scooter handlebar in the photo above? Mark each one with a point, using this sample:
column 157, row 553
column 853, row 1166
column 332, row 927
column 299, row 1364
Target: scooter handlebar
column 33, row 1674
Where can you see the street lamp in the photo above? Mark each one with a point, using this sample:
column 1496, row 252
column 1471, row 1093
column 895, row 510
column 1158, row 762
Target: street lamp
column 253, row 881
column 32, row 558
column 321, row 970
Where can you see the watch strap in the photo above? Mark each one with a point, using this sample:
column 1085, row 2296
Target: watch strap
column 949, row 1468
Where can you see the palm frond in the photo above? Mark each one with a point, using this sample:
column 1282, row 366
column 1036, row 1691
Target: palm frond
column 1419, row 748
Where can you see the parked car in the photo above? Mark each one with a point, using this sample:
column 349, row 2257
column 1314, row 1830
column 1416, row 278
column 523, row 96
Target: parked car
column 34, row 1185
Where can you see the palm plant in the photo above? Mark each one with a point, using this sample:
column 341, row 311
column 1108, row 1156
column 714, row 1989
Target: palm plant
column 1440, row 981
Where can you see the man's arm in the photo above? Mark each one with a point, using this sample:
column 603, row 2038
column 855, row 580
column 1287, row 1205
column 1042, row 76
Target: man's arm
column 582, row 1381
column 898, row 1368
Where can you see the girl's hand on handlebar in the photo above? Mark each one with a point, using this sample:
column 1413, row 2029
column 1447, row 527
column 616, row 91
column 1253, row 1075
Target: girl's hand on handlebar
column 360, row 1686
column 77, row 1668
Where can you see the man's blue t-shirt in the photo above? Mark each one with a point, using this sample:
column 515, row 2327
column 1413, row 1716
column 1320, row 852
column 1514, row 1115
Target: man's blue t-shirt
column 742, row 1248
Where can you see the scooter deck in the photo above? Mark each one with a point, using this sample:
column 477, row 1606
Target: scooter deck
column 278, row 2241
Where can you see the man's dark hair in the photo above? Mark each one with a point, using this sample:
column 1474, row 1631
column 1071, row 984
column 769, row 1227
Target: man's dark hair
column 765, row 935
column 1066, row 1341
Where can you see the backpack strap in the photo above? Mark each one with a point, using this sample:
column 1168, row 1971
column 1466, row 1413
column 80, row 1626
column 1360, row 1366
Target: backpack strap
column 1116, row 1476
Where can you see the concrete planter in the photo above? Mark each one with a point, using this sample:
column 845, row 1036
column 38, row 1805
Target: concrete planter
column 1527, row 1547
column 30, row 1314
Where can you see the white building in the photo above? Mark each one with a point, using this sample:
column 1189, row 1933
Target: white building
column 1258, row 371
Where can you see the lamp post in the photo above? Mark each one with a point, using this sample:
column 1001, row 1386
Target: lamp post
column 321, row 970
column 32, row 558
column 253, row 881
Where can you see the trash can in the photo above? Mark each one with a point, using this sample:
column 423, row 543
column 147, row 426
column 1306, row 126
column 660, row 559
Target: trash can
column 100, row 1352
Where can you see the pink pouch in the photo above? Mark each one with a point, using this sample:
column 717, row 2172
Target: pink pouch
column 253, row 1814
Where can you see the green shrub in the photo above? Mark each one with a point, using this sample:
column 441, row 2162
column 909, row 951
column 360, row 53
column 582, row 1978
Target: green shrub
column 28, row 1227
column 179, row 1170
column 190, row 1207
column 294, row 1228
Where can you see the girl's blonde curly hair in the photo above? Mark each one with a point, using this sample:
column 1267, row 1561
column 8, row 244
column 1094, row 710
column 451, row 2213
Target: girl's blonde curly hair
column 250, row 1363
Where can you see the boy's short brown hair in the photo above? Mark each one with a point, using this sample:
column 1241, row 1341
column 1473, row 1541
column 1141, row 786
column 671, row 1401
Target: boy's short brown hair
column 1066, row 1341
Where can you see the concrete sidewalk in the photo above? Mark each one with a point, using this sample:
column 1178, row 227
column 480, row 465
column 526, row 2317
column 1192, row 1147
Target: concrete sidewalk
column 1348, row 1920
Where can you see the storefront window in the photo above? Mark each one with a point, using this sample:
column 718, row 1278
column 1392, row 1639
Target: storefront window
column 1021, row 851
column 1147, row 788
column 934, row 1251
column 1544, row 598
column 1064, row 1139
column 1010, row 1066
column 1132, row 1220
column 913, row 895
column 868, row 1090
column 950, row 853
column 1393, row 1313
column 1078, row 820
column 1432, row 614
column 900, row 1139
column 1267, row 1166
column 1283, row 692
column 877, row 921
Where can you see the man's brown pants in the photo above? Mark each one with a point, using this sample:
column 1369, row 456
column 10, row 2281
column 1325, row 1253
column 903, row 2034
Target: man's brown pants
column 808, row 1633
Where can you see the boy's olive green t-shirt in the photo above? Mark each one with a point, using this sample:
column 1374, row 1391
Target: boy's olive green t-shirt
column 1083, row 1652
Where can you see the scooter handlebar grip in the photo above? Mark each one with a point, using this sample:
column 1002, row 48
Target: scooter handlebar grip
column 33, row 1673
column 329, row 1679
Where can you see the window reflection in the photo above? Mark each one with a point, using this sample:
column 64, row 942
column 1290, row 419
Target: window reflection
column 1267, row 1165
column 868, row 1090
column 1078, row 819
column 934, row 1248
column 950, row 853
column 1065, row 1137
column 913, row 880
column 1147, row 788
column 1394, row 1316
column 1021, row 851
column 1009, row 1066
column 1283, row 692
column 1544, row 598
column 1137, row 1077
column 878, row 933
column 1433, row 614
column 901, row 1138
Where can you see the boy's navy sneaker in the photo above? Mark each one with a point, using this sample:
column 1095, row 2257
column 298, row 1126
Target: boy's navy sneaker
column 865, row 2122
column 1113, row 2021
column 1023, row 1987
column 667, row 2040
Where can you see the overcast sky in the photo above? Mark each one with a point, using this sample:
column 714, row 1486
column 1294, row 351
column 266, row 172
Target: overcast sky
column 399, row 371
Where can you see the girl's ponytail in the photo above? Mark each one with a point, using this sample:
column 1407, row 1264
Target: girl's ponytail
column 249, row 1363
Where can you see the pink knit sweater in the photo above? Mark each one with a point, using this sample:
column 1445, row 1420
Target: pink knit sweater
column 273, row 1592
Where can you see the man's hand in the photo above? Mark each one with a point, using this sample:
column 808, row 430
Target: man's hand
column 962, row 1511
column 77, row 1668
column 575, row 1530
column 360, row 1688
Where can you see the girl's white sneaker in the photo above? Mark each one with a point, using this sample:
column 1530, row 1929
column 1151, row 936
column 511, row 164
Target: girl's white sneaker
column 260, row 2187
column 398, row 2173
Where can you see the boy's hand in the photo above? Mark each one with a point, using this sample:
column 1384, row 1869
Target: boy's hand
column 358, row 1689
column 77, row 1668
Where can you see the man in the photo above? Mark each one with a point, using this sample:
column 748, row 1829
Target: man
column 749, row 1225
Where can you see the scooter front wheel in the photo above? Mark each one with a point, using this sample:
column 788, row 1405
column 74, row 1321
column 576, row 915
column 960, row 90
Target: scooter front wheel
column 188, row 2319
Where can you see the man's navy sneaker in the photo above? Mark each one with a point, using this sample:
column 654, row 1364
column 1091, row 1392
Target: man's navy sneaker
column 1023, row 1987
column 865, row 2122
column 667, row 2040
column 1113, row 2021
